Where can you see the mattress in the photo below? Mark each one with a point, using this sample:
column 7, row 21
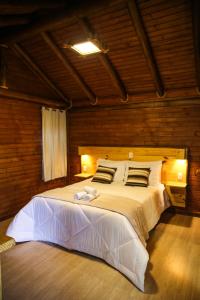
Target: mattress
column 98, row 232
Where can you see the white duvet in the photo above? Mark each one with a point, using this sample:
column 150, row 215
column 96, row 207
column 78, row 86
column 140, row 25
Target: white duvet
column 92, row 230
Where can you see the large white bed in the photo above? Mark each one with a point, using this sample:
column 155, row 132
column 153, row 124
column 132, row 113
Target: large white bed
column 96, row 231
column 116, row 231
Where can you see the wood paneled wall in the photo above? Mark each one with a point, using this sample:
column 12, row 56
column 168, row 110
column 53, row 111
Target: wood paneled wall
column 159, row 126
column 20, row 144
column 20, row 155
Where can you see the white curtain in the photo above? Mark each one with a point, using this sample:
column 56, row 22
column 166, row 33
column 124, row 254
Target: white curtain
column 54, row 142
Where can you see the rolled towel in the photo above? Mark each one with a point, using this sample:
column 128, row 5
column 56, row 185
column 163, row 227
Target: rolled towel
column 88, row 197
column 80, row 195
column 90, row 190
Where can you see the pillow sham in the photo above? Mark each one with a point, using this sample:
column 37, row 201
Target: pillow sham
column 155, row 167
column 120, row 167
column 138, row 177
column 104, row 174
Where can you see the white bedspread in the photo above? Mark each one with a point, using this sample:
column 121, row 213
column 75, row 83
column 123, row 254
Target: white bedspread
column 92, row 230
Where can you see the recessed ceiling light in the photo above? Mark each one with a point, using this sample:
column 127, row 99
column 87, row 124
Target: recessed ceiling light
column 86, row 48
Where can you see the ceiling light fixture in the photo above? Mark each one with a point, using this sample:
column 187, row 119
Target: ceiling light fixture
column 90, row 46
column 86, row 48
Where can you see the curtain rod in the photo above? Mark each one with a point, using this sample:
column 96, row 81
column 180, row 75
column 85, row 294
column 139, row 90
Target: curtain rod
column 54, row 109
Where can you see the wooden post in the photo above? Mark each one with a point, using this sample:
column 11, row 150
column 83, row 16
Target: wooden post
column 3, row 68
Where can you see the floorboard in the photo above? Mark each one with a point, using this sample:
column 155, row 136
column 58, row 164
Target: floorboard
column 37, row 270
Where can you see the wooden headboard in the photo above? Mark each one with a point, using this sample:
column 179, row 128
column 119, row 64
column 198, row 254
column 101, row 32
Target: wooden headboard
column 174, row 159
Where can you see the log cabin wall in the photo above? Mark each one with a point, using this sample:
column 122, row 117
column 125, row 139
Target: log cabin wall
column 20, row 155
column 147, row 126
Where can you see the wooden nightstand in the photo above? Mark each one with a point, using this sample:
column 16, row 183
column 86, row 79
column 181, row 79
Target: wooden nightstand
column 177, row 193
column 83, row 176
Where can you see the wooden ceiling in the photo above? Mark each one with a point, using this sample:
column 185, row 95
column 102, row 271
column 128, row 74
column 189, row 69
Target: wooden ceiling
column 154, row 49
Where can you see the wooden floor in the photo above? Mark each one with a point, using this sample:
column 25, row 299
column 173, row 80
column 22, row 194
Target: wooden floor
column 36, row 270
column 3, row 228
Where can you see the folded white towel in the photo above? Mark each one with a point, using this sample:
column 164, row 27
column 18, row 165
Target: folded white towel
column 88, row 197
column 90, row 190
column 80, row 195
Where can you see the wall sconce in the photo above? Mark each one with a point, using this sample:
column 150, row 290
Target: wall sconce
column 180, row 176
column 85, row 163
column 130, row 155
column 181, row 168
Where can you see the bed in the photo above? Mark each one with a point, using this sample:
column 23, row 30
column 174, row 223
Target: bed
column 89, row 227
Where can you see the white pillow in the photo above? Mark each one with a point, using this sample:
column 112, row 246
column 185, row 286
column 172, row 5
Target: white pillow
column 155, row 167
column 120, row 165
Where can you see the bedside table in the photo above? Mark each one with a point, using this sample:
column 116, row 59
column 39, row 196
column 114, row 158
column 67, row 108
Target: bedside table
column 83, row 176
column 177, row 193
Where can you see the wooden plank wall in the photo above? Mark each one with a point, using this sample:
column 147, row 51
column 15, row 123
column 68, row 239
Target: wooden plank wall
column 20, row 144
column 20, row 155
column 160, row 126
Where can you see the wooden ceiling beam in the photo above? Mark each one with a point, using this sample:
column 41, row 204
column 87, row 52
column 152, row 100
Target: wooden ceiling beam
column 69, row 67
column 16, row 7
column 153, row 103
column 196, row 38
column 30, row 98
column 14, row 20
column 146, row 45
column 105, row 61
column 37, row 71
column 72, row 8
